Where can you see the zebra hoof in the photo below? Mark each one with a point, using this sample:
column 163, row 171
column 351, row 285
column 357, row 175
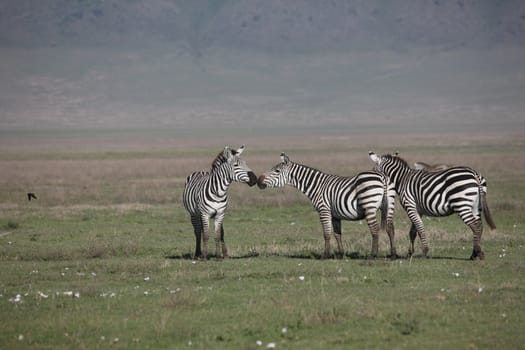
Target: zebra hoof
column 477, row 255
column 425, row 252
column 199, row 256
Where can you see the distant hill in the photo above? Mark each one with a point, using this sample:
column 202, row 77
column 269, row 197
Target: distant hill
column 296, row 25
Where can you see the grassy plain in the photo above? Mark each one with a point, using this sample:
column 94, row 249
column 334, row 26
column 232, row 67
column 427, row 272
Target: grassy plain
column 103, row 258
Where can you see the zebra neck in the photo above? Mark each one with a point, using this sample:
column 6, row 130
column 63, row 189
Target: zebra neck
column 399, row 176
column 220, row 180
column 306, row 179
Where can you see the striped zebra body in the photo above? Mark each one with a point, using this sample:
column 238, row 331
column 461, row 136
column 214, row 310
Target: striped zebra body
column 338, row 198
column 438, row 193
column 205, row 197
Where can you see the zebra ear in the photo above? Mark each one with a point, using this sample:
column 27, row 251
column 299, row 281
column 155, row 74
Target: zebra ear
column 284, row 158
column 374, row 157
column 395, row 154
column 240, row 150
column 227, row 152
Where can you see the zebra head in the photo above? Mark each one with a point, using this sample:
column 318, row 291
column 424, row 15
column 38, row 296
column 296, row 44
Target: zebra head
column 221, row 158
column 382, row 162
column 239, row 170
column 376, row 159
column 276, row 176
column 388, row 164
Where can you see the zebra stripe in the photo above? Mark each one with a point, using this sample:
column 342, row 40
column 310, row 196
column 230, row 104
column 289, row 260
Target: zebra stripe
column 205, row 197
column 443, row 192
column 338, row 198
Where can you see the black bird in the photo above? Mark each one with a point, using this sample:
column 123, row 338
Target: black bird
column 30, row 196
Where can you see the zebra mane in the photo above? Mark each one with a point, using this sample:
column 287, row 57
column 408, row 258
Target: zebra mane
column 310, row 168
column 306, row 167
column 220, row 159
column 397, row 158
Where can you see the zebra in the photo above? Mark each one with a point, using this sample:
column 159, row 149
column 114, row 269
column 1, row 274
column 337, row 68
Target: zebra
column 205, row 197
column 438, row 193
column 337, row 198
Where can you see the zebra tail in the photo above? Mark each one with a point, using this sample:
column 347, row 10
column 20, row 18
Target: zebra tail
column 486, row 211
column 384, row 208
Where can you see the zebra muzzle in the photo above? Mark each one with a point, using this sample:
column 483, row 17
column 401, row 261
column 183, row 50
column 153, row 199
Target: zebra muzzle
column 253, row 178
column 260, row 182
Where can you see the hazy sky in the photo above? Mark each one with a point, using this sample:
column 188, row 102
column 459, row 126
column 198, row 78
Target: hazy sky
column 263, row 64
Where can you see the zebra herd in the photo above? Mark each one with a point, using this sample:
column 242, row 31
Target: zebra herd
column 437, row 190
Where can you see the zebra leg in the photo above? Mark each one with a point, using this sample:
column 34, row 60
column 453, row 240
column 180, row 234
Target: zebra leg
column 391, row 232
column 197, row 229
column 418, row 224
column 477, row 229
column 326, row 222
column 219, row 234
column 205, row 236
column 374, row 231
column 224, row 249
column 391, row 202
column 336, row 224
column 412, row 234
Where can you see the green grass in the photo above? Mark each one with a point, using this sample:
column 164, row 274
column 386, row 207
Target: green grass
column 137, row 283
column 119, row 274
